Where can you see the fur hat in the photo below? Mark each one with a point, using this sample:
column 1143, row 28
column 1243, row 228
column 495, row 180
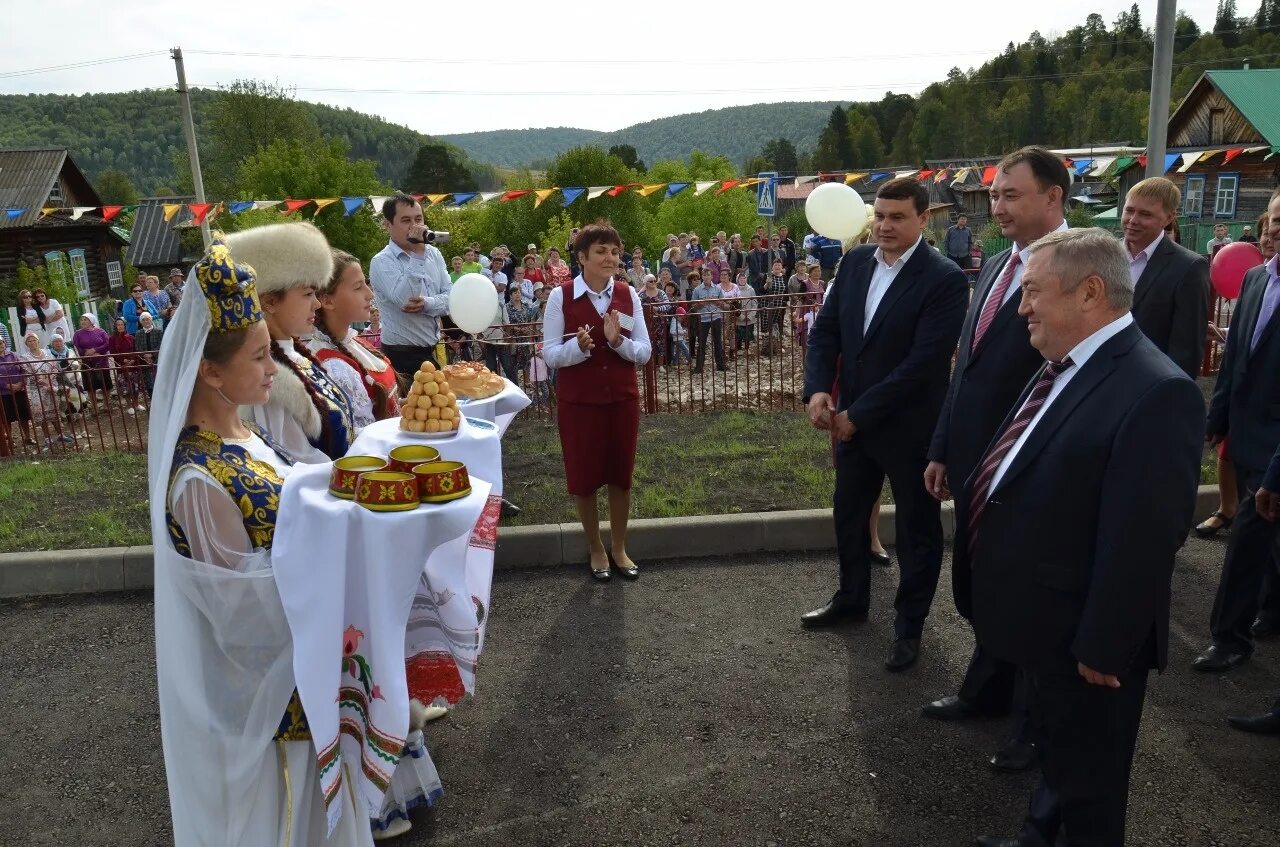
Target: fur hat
column 284, row 256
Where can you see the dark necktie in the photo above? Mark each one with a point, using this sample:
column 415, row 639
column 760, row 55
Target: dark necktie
column 1008, row 438
column 996, row 299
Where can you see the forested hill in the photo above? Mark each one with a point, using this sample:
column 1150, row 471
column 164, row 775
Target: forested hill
column 139, row 132
column 736, row 133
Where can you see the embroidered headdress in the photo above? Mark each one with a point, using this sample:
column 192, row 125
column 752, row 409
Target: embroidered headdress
column 230, row 288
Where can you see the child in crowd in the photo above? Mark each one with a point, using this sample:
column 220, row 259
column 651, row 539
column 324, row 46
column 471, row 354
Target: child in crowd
column 679, row 338
column 746, row 317
column 538, row 375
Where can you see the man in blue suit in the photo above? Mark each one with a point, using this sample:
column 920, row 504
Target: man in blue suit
column 1077, row 509
column 891, row 321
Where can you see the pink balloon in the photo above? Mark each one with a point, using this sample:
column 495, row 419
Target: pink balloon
column 1229, row 266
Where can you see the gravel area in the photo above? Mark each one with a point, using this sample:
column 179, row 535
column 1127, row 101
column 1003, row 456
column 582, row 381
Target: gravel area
column 686, row 709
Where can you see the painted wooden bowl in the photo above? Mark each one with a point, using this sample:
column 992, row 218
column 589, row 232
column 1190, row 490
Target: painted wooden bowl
column 440, row 482
column 387, row 491
column 342, row 479
column 406, row 456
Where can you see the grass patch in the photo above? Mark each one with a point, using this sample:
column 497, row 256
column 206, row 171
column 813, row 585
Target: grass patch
column 696, row 464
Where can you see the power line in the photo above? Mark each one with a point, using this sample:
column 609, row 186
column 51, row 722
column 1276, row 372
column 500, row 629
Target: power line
column 88, row 63
column 731, row 91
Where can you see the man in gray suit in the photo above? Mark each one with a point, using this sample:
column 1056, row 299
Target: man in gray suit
column 1171, row 283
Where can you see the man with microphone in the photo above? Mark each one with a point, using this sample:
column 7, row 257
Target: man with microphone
column 410, row 284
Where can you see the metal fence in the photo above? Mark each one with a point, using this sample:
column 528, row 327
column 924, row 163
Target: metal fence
column 102, row 403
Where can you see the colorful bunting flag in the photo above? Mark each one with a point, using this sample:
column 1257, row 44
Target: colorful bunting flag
column 901, row 174
column 851, row 178
column 961, row 176
column 879, row 175
column 1170, row 159
column 266, row 204
column 726, row 185
column 542, row 194
column 755, row 180
column 513, row 195
column 1083, row 165
column 924, row 174
column 1209, row 154
column 14, row 214
column 1188, row 159
column 646, row 190
column 675, row 188
column 571, row 194
column 238, row 206
column 170, row 209
column 940, row 176
column 1231, row 154
column 77, row 212
column 291, row 206
column 377, row 200
column 325, row 201
column 988, row 174
column 801, row 180
column 351, row 205
column 109, row 212
column 199, row 212
column 461, row 199
column 433, row 199
column 597, row 190
column 699, row 187
column 486, row 196
column 620, row 189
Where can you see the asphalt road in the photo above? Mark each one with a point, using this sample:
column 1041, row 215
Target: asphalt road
column 686, row 709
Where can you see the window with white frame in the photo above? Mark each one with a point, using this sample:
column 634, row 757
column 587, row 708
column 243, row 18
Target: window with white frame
column 115, row 276
column 1224, row 203
column 1193, row 196
column 79, row 272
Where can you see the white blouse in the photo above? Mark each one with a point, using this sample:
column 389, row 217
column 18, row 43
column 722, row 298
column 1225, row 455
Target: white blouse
column 212, row 521
column 561, row 352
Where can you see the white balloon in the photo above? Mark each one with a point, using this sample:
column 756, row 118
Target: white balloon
column 836, row 211
column 472, row 302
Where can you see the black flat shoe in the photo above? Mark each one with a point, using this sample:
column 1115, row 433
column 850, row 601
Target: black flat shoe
column 1264, row 724
column 881, row 558
column 951, row 708
column 1014, row 757
column 1218, row 660
column 632, row 572
column 903, row 654
column 1204, row 529
column 602, row 574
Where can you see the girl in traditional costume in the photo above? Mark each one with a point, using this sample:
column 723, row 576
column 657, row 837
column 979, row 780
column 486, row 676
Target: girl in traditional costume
column 241, row 767
column 308, row 413
column 361, row 371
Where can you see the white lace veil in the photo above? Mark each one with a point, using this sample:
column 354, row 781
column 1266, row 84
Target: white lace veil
column 223, row 651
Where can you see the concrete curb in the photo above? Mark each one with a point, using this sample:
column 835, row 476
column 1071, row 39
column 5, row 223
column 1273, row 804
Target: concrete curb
column 547, row 545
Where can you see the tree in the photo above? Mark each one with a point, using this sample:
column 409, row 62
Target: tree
column 732, row 211
column 587, row 166
column 628, row 155
column 246, row 118
column 780, row 154
column 1225, row 24
column 116, row 189
column 438, row 169
column 833, row 152
column 866, row 149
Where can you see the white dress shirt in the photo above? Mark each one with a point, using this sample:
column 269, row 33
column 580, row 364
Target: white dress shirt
column 396, row 276
column 1138, row 263
column 561, row 352
column 881, row 278
column 1078, row 355
column 1015, row 284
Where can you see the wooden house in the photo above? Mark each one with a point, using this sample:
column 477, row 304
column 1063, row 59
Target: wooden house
column 73, row 242
column 1226, row 136
column 156, row 246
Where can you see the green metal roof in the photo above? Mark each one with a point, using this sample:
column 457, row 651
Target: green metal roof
column 1256, row 93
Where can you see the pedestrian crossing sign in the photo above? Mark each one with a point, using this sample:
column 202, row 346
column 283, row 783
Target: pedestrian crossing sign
column 767, row 194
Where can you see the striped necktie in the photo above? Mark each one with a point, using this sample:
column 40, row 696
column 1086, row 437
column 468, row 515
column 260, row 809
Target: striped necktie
column 1008, row 438
column 996, row 299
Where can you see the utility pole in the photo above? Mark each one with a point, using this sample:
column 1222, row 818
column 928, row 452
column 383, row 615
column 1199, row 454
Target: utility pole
column 189, row 129
column 1161, row 82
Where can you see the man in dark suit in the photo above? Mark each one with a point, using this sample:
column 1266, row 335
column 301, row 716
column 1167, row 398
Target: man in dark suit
column 1171, row 283
column 1246, row 406
column 1077, row 509
column 994, row 361
column 1267, row 505
column 891, row 321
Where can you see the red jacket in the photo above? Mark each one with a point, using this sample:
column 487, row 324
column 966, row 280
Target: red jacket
column 605, row 377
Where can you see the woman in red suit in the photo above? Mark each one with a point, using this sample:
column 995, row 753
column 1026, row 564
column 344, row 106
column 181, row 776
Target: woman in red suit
column 594, row 333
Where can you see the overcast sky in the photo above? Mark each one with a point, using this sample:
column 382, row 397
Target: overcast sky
column 461, row 67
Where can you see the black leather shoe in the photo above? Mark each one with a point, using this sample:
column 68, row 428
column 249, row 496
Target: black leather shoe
column 881, row 558
column 1014, row 757
column 949, row 708
column 509, row 509
column 1218, row 659
column 1264, row 627
column 602, row 574
column 831, row 615
column 1267, row 723
column 903, row 654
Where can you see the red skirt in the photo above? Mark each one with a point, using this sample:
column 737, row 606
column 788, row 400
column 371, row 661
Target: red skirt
column 599, row 444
